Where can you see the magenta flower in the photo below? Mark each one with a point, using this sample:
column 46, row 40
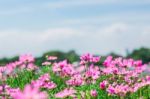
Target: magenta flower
column 44, row 82
column 103, row 84
column 93, row 93
column 93, row 72
column 148, row 78
column 75, row 80
column 63, row 68
column 111, row 89
column 138, row 63
column 108, row 61
column 86, row 58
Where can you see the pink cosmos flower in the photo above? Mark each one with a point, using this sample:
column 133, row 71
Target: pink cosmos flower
column 12, row 91
column 51, row 57
column 75, row 80
column 148, row 78
column 103, row 84
column 95, row 59
column 108, row 61
column 93, row 93
column 63, row 68
column 46, row 63
column 80, row 69
column 128, row 62
column 107, row 70
column 138, row 63
column 30, row 93
column 111, row 89
column 86, row 58
column 31, row 66
column 93, row 72
column 8, row 91
column 58, row 66
column 45, row 77
column 26, row 58
column 49, row 85
column 44, row 82
column 121, row 90
column 68, row 92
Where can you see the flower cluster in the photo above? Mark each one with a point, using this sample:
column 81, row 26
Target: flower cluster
column 6, row 90
column 63, row 68
column 88, row 58
column 76, row 80
column 125, row 76
column 116, row 76
column 92, row 73
column 44, row 82
column 11, row 69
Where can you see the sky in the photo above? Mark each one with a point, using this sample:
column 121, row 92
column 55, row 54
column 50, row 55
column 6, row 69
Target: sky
column 94, row 26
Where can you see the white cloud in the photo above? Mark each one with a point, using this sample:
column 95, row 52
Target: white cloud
column 143, row 19
column 20, row 41
column 120, row 36
column 42, row 36
column 58, row 34
column 115, row 29
column 102, row 40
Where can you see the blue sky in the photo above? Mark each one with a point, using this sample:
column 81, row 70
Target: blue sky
column 95, row 26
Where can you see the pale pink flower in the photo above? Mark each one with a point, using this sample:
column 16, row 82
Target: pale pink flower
column 31, row 66
column 46, row 63
column 30, row 93
column 12, row 91
column 80, row 69
column 26, row 58
column 49, row 85
column 68, row 92
column 95, row 59
column 51, row 58
column 45, row 77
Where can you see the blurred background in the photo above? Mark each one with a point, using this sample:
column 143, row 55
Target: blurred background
column 69, row 28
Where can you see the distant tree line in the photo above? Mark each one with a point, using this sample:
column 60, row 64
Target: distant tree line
column 142, row 54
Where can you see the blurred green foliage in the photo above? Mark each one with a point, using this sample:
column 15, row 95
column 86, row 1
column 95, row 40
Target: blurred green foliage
column 72, row 56
column 142, row 54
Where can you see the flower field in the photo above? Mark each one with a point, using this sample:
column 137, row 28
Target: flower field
column 91, row 78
